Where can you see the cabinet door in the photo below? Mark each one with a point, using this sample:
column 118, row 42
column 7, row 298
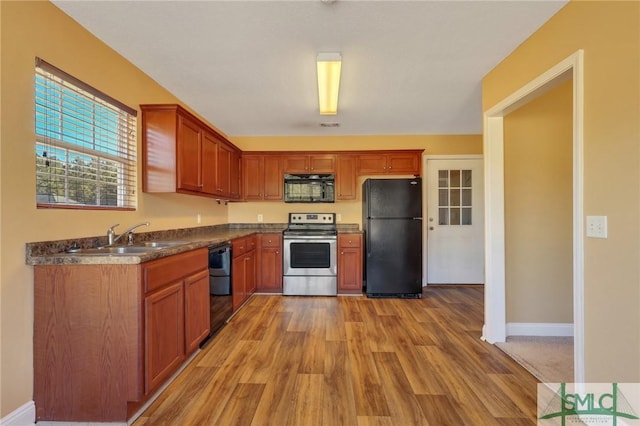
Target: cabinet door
column 296, row 164
column 346, row 178
column 250, row 273
column 372, row 164
column 164, row 334
column 224, row 169
column 238, row 281
column 270, row 270
column 189, row 155
column 235, row 170
column 273, row 178
column 196, row 314
column 350, row 263
column 322, row 164
column 404, row 163
column 253, row 172
column 209, row 163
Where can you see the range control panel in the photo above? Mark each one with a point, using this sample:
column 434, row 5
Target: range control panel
column 312, row 218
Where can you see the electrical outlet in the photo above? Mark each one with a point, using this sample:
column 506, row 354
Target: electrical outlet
column 260, row 217
column 597, row 226
column 199, row 218
column 338, row 217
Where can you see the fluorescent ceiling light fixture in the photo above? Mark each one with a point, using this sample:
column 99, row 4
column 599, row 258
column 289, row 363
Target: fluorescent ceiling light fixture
column 329, row 65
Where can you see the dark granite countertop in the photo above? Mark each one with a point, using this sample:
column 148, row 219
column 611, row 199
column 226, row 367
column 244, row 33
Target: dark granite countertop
column 54, row 252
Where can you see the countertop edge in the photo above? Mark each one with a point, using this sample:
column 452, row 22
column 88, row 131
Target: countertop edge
column 53, row 252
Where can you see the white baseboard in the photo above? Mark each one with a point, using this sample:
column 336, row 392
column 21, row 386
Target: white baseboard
column 22, row 416
column 539, row 329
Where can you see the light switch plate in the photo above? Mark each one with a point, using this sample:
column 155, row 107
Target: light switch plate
column 338, row 217
column 597, row 226
column 260, row 217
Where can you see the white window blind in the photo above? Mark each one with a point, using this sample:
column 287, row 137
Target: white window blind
column 85, row 144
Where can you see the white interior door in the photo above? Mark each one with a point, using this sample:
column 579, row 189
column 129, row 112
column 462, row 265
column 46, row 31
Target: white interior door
column 455, row 221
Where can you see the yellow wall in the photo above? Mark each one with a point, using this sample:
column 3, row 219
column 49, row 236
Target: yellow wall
column 31, row 29
column 538, row 194
column 609, row 33
column 350, row 210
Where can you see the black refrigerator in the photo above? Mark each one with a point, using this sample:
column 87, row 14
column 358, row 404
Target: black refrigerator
column 392, row 224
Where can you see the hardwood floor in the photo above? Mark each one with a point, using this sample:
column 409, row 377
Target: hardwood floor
column 351, row 361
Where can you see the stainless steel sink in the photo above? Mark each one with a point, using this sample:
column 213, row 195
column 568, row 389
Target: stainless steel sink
column 104, row 251
column 160, row 244
column 138, row 248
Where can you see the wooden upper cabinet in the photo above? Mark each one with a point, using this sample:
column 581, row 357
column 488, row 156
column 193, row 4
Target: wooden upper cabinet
column 224, row 170
column 209, row 162
column 262, row 177
column 252, row 176
column 346, row 177
column 370, row 164
column 404, row 163
column 316, row 163
column 189, row 155
column 182, row 154
column 235, row 175
column 390, row 162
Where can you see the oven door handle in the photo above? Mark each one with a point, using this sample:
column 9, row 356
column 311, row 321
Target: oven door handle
column 314, row 239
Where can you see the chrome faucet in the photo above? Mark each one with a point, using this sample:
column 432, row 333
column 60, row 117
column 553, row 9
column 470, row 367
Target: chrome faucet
column 111, row 234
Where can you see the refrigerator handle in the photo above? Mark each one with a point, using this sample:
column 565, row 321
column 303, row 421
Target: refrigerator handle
column 416, row 218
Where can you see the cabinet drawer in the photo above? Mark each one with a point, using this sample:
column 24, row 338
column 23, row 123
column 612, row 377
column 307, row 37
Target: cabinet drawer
column 239, row 247
column 271, row 240
column 350, row 240
column 160, row 272
column 252, row 242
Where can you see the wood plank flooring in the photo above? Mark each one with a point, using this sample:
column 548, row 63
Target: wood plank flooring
column 351, row 361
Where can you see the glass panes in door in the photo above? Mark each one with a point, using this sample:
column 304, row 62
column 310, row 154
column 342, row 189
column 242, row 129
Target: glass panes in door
column 454, row 197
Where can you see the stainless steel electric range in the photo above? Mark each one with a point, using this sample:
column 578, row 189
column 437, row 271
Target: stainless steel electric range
column 310, row 255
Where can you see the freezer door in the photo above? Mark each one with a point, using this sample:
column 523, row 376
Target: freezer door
column 390, row 198
column 393, row 257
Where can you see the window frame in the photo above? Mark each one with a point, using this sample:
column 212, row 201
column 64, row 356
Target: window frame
column 123, row 164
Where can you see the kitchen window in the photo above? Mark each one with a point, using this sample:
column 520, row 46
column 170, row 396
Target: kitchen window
column 85, row 144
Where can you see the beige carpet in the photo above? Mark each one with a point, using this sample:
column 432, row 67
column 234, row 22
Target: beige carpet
column 550, row 359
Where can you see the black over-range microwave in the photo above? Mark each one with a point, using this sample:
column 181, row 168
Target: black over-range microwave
column 309, row 188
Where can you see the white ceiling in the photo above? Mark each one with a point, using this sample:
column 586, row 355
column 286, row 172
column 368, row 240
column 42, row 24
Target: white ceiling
column 409, row 67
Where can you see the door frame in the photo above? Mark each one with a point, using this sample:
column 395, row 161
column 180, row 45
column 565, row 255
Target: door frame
column 494, row 329
column 425, row 194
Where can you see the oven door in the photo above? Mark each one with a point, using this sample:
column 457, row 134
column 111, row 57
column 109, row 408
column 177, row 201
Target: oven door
column 310, row 256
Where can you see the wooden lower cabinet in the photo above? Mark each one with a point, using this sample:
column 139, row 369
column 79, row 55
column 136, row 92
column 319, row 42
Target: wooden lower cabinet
column 106, row 336
column 350, row 263
column 270, row 263
column 164, row 334
column 243, row 269
column 197, row 314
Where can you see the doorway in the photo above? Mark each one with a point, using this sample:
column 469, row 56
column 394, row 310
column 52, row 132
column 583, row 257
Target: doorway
column 494, row 329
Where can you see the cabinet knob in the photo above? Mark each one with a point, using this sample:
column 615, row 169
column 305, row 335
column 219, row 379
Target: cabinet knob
column 341, row 252
column 277, row 252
